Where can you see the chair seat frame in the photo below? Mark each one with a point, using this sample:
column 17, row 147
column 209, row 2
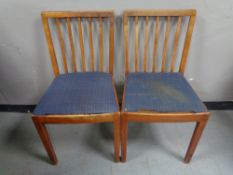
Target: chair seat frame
column 156, row 117
column 41, row 120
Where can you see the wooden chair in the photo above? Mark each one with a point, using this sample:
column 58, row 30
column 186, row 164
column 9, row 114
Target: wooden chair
column 78, row 97
column 160, row 93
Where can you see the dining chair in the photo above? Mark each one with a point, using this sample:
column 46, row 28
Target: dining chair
column 83, row 90
column 155, row 89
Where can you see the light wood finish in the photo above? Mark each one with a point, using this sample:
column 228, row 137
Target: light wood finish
column 166, row 12
column 124, row 138
column 62, row 45
column 41, row 120
column 187, row 44
column 200, row 126
column 111, row 46
column 101, row 62
column 80, row 32
column 75, row 14
column 136, row 42
column 156, row 38
column 164, row 117
column 152, row 116
column 146, row 44
column 116, row 137
column 124, row 127
column 176, row 43
column 43, row 133
column 74, row 20
column 78, row 118
column 71, row 45
column 127, row 117
column 158, row 14
column 166, row 44
column 50, row 46
column 126, row 40
column 91, row 46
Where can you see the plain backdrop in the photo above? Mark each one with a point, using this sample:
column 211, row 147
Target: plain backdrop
column 25, row 69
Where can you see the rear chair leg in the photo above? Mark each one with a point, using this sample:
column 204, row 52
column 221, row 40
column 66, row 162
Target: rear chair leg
column 195, row 139
column 116, row 137
column 44, row 136
column 124, row 138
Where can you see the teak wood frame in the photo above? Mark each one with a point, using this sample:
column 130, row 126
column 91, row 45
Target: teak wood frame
column 147, row 116
column 42, row 120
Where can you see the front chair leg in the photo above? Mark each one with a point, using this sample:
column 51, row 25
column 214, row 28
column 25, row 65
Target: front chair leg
column 195, row 139
column 124, row 138
column 44, row 136
column 116, row 137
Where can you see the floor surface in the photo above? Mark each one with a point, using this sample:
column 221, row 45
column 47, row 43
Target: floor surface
column 87, row 149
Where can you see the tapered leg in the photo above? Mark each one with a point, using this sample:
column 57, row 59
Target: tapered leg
column 116, row 137
column 124, row 138
column 42, row 131
column 194, row 141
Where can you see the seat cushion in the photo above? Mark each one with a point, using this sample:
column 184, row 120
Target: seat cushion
column 160, row 92
column 79, row 93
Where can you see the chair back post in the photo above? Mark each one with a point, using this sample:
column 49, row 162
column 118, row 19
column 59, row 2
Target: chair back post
column 126, row 35
column 111, row 45
column 187, row 43
column 50, row 45
column 74, row 20
column 157, row 15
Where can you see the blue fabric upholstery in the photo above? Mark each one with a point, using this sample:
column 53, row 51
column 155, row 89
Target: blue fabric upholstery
column 79, row 93
column 160, row 92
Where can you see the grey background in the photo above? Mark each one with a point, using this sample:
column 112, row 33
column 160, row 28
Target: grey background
column 87, row 149
column 25, row 70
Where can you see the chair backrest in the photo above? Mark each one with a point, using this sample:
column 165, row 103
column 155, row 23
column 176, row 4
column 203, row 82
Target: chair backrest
column 71, row 35
column 152, row 23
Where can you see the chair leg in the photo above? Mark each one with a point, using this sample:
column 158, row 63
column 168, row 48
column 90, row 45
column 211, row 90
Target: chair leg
column 124, row 138
column 194, row 141
column 116, row 138
column 44, row 136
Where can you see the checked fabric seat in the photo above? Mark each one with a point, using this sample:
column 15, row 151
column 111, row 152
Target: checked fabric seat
column 160, row 92
column 79, row 93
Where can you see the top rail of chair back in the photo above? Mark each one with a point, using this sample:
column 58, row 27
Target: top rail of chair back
column 157, row 40
column 81, row 41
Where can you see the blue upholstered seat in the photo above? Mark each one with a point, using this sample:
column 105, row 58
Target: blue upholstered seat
column 160, row 92
column 79, row 93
